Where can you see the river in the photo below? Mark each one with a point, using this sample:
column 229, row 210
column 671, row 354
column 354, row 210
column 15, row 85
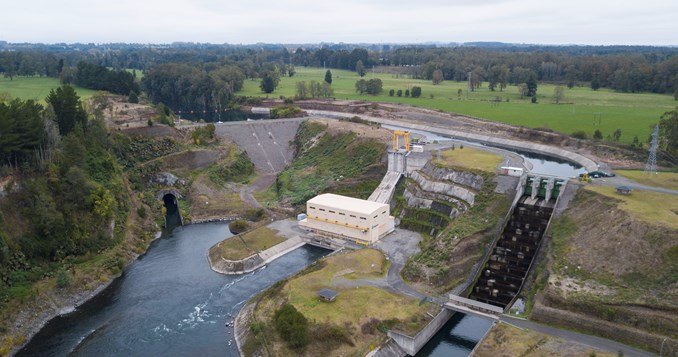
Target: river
column 168, row 302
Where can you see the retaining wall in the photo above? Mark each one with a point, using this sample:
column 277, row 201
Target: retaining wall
column 412, row 345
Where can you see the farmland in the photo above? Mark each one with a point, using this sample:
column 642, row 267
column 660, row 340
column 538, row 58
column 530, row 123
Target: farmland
column 581, row 109
column 35, row 88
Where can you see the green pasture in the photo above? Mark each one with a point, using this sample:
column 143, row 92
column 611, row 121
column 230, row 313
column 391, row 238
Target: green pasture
column 584, row 109
column 36, row 88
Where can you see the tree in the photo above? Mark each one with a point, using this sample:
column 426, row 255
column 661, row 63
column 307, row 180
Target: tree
column 459, row 93
column 437, row 76
column 399, row 93
column 522, row 88
column 407, row 92
column 133, row 97
column 391, row 93
column 302, row 90
column 67, row 108
column 328, row 77
column 291, row 325
column 617, row 135
column 531, row 86
column 597, row 135
column 360, row 68
column 269, row 82
column 374, row 86
column 291, row 71
column 668, row 132
column 416, row 92
column 558, row 94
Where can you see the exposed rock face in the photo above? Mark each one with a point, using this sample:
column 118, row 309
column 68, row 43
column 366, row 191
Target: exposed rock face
column 443, row 187
column 416, row 197
column 168, row 179
column 464, row 178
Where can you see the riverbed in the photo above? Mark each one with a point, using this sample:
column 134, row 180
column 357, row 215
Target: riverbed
column 168, row 302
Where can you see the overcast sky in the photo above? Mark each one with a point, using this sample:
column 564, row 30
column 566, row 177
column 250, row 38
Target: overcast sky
column 647, row 22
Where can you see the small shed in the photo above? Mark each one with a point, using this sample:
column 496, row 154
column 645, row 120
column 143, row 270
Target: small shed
column 624, row 190
column 327, row 295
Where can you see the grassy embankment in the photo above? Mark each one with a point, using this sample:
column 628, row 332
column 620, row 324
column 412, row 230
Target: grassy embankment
column 612, row 267
column 353, row 324
column 338, row 162
column 661, row 179
column 36, row 88
column 505, row 340
column 244, row 245
column 446, row 258
column 633, row 113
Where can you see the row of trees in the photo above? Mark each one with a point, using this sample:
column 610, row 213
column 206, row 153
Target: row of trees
column 94, row 76
column 313, row 89
column 184, row 87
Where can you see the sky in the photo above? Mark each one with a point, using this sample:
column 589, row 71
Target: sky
column 587, row 22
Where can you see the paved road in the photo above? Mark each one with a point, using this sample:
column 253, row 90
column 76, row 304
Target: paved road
column 623, row 181
column 593, row 341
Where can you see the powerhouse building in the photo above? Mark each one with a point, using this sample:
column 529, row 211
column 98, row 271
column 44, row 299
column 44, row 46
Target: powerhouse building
column 349, row 218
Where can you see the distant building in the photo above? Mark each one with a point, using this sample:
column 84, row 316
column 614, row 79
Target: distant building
column 512, row 171
column 362, row 221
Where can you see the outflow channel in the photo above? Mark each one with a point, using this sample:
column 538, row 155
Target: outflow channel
column 167, row 303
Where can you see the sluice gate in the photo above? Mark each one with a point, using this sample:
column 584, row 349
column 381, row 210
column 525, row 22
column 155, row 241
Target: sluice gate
column 507, row 267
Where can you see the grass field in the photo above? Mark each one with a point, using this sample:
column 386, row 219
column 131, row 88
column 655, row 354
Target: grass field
column 470, row 158
column 36, row 88
column 634, row 114
column 652, row 207
column 661, row 179
column 252, row 242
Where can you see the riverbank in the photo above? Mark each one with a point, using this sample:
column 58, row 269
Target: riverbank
column 64, row 304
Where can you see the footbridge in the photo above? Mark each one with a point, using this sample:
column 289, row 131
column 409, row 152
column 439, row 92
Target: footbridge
column 473, row 307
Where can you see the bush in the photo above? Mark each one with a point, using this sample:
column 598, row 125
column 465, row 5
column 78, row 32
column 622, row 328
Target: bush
column 150, row 122
column 288, row 101
column 285, row 111
column 391, row 93
column 416, row 92
column 407, row 92
column 292, row 326
column 399, row 93
column 580, row 134
column 133, row 97
column 141, row 211
column 255, row 215
column 597, row 135
column 63, row 279
column 534, row 99
column 238, row 226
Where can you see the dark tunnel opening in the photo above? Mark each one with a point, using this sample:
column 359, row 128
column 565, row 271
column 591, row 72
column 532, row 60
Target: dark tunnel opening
column 172, row 215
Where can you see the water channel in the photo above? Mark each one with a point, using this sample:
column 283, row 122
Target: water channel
column 169, row 302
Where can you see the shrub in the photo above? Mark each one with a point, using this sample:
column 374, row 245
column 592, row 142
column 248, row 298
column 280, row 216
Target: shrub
column 399, row 93
column 133, row 97
column 255, row 215
column 391, row 93
column 292, row 326
column 238, row 226
column 580, row 134
column 141, row 211
column 150, row 122
column 63, row 279
column 407, row 92
column 285, row 111
column 416, row 92
column 534, row 99
column 288, row 101
column 598, row 135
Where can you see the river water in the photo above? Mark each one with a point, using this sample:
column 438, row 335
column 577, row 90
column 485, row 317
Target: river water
column 168, row 302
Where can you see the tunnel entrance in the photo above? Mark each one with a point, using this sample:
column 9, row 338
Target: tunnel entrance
column 172, row 214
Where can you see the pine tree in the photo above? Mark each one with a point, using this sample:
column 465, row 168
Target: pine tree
column 328, row 77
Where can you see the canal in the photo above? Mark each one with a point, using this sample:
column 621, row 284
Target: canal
column 168, row 302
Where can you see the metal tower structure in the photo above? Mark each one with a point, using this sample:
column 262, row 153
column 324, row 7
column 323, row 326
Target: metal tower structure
column 651, row 165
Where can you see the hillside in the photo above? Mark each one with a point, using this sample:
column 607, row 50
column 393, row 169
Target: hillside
column 612, row 269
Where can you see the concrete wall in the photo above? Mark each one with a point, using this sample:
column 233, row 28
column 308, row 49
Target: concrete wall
column 412, row 345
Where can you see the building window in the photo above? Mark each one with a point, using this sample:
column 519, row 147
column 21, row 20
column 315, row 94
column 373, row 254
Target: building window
column 376, row 216
column 383, row 212
column 363, row 218
column 311, row 207
column 322, row 209
column 342, row 214
column 332, row 211
column 352, row 216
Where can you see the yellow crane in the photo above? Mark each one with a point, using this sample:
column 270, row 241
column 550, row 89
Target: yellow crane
column 396, row 142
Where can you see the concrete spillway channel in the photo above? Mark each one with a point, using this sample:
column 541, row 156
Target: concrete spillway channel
column 505, row 271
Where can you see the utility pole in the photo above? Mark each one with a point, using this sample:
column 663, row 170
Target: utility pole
column 651, row 165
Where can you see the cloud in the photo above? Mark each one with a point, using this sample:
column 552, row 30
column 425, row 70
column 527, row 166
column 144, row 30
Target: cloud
column 306, row 21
